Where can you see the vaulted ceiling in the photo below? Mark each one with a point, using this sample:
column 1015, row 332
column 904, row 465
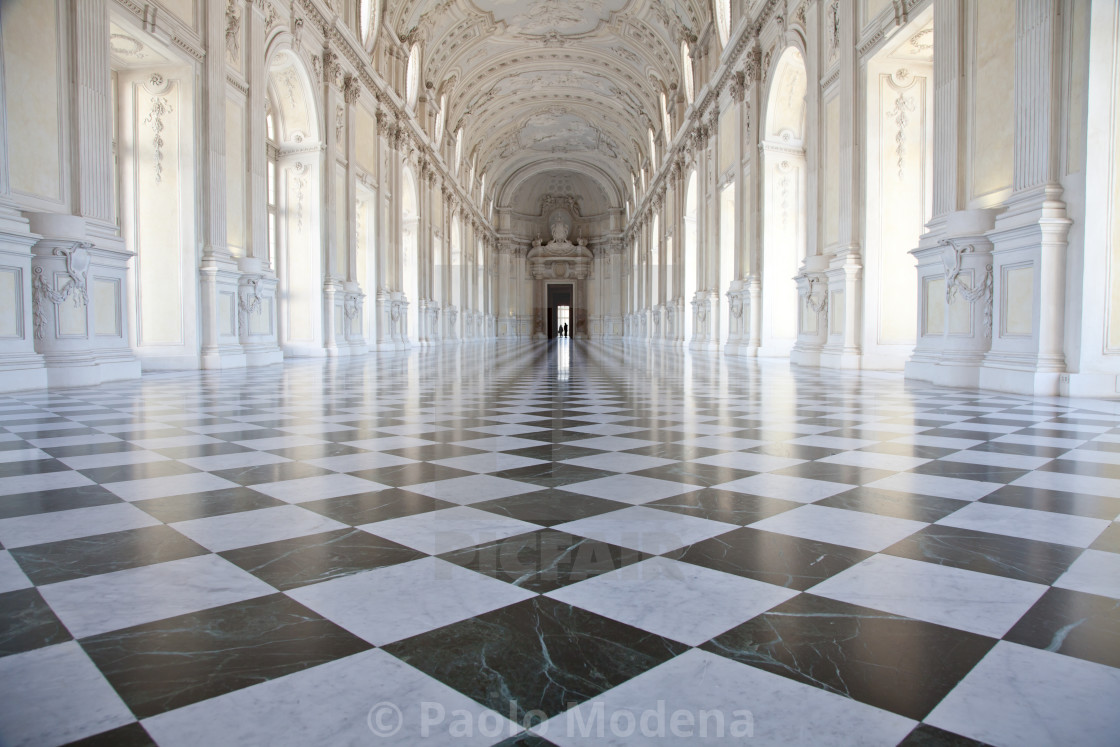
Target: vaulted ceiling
column 548, row 87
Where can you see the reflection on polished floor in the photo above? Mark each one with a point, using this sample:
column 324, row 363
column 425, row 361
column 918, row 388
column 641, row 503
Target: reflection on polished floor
column 607, row 543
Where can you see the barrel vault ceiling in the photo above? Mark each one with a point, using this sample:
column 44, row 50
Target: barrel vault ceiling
column 548, row 88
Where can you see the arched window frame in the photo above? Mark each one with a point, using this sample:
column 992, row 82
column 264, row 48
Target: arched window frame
column 412, row 77
column 441, row 118
column 458, row 150
column 723, row 21
column 369, row 14
column 686, row 71
column 666, row 125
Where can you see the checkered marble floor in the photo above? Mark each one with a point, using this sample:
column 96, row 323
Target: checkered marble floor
column 556, row 544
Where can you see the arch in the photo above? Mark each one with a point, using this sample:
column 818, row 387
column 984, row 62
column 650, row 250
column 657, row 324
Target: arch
column 369, row 18
column 458, row 152
column 785, row 102
column 294, row 182
column 686, row 72
column 441, row 117
column 723, row 20
column 412, row 77
column 291, row 93
column 785, row 230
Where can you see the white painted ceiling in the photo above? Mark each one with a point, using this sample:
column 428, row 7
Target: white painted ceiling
column 545, row 88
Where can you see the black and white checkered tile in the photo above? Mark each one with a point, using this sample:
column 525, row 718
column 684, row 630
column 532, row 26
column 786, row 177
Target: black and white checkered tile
column 607, row 544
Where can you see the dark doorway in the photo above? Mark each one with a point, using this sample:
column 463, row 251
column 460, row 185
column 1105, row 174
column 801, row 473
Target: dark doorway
column 559, row 296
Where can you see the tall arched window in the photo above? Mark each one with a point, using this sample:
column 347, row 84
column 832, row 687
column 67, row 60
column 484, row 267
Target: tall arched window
column 458, row 150
column 652, row 147
column 665, row 118
column 368, row 13
column 686, row 70
column 412, row 76
column 440, row 119
column 723, row 20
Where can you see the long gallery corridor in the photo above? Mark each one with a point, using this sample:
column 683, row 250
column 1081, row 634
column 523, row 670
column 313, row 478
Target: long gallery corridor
column 608, row 543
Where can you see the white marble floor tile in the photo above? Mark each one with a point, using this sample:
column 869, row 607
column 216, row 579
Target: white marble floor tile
column 985, row 427
column 612, row 443
column 1029, row 440
column 875, row 460
column 1088, row 484
column 995, row 459
column 677, row 600
column 746, row 461
column 449, row 529
column 173, row 442
column 1093, row 456
column 1044, row 526
column 36, row 529
column 111, row 601
column 619, row 461
column 631, row 489
column 335, row 703
column 833, row 442
column 238, row 460
column 388, row 443
column 26, row 455
column 113, row 459
column 400, row 601
column 937, row 442
column 311, row 429
column 723, row 443
column 507, row 429
column 59, row 441
column 937, row 485
column 840, row 526
column 646, row 529
column 359, row 462
column 411, row 429
column 280, row 442
column 768, row 709
column 43, row 481
column 491, row 461
column 1095, row 572
column 603, row 429
column 247, row 528
column 472, row 489
column 162, row 487
column 1019, row 695
column 966, row 600
column 55, row 695
column 210, row 430
column 800, row 489
column 499, row 443
column 12, row 577
column 320, row 487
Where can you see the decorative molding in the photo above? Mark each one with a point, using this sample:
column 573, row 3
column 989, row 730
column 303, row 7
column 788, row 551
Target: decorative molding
column 249, row 297
column 233, row 30
column 818, row 305
column 77, row 264
column 900, row 112
column 955, row 284
column 159, row 109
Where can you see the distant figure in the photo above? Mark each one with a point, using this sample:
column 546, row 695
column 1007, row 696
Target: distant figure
column 565, row 330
